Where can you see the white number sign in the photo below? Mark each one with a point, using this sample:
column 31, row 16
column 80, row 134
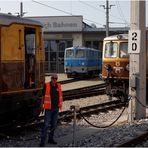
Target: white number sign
column 134, row 41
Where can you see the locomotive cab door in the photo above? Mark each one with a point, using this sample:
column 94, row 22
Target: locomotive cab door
column 30, row 57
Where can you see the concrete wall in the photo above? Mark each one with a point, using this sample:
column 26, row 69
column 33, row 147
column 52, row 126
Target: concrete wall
column 77, row 39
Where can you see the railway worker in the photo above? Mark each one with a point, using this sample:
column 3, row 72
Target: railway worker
column 52, row 102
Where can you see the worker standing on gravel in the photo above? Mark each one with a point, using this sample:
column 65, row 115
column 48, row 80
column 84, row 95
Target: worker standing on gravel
column 52, row 102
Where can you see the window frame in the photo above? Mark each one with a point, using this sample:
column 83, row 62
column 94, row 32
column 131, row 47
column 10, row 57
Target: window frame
column 117, row 48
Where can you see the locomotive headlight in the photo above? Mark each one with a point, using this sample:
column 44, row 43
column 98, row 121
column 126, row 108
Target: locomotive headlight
column 82, row 63
column 127, row 67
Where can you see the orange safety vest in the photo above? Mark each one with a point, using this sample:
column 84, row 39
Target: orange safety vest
column 47, row 97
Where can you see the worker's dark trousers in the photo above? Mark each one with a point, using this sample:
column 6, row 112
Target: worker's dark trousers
column 50, row 120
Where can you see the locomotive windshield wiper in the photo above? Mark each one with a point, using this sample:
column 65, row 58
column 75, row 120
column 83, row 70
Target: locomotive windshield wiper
column 109, row 69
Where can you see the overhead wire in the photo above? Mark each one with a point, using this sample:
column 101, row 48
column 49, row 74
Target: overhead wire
column 51, row 7
column 91, row 6
column 121, row 13
column 64, row 11
column 98, row 9
column 94, row 8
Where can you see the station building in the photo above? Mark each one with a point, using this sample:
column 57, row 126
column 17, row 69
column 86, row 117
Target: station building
column 61, row 32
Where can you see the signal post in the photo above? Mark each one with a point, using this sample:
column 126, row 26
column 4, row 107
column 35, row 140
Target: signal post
column 137, row 52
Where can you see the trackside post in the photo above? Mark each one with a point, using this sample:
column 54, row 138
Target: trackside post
column 137, row 52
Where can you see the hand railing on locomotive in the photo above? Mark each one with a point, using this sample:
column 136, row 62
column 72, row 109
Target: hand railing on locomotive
column 109, row 69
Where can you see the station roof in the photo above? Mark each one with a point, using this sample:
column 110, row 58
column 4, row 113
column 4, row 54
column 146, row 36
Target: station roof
column 88, row 28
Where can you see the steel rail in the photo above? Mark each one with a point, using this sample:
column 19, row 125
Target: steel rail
column 135, row 141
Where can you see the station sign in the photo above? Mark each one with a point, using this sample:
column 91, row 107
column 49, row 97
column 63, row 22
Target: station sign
column 60, row 23
column 134, row 41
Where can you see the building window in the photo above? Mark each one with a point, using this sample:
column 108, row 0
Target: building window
column 88, row 44
column 46, row 56
column 69, row 43
column 46, row 46
column 54, row 54
column 62, row 46
column 94, row 44
column 53, row 45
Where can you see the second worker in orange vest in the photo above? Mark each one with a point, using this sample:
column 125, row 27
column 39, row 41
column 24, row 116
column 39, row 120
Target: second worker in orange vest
column 52, row 102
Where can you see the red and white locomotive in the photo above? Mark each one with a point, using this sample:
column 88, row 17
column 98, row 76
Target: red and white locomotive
column 115, row 65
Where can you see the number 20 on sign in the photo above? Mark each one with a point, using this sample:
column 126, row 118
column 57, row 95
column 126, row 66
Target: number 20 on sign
column 134, row 41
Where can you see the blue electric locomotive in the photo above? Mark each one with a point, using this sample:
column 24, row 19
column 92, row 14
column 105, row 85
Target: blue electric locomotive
column 82, row 61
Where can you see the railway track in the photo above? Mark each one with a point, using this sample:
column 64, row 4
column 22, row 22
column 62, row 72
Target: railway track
column 68, row 81
column 92, row 109
column 133, row 142
column 84, row 92
column 71, row 80
column 87, row 111
column 65, row 116
column 81, row 93
column 78, row 93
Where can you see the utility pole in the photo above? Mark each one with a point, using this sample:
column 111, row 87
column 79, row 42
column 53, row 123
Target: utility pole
column 107, row 7
column 21, row 14
column 21, row 10
column 137, row 52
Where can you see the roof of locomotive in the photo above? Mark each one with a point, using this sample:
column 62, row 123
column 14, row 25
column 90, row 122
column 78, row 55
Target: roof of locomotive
column 83, row 48
column 117, row 37
column 8, row 19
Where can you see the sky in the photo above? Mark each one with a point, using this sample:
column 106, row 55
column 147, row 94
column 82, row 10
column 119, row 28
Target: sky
column 92, row 10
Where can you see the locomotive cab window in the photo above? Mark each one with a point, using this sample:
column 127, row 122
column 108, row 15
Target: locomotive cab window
column 80, row 53
column 124, row 50
column 111, row 50
column 69, row 53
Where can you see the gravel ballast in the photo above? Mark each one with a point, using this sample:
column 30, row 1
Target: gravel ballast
column 105, row 137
